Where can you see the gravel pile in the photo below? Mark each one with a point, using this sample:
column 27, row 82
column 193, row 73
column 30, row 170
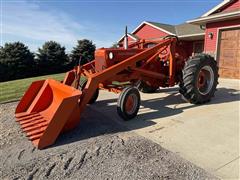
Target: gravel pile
column 97, row 149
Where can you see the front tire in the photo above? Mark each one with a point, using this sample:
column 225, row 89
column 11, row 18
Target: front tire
column 128, row 103
column 200, row 79
column 95, row 95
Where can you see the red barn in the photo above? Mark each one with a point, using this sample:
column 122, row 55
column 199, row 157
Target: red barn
column 222, row 36
column 191, row 36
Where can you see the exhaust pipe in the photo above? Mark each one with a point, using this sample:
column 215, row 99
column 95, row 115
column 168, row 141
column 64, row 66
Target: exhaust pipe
column 126, row 39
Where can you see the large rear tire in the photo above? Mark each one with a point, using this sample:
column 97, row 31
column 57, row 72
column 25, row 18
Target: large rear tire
column 200, row 79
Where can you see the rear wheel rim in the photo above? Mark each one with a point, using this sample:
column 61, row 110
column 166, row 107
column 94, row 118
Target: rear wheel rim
column 205, row 80
column 131, row 104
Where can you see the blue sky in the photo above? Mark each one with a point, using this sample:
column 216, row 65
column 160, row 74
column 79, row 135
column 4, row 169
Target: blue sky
column 34, row 22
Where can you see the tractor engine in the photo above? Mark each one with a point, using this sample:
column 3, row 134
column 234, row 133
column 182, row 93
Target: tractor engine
column 106, row 57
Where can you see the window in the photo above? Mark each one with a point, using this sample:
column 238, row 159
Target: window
column 198, row 47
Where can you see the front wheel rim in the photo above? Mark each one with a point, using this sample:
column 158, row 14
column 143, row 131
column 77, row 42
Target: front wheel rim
column 131, row 104
column 205, row 80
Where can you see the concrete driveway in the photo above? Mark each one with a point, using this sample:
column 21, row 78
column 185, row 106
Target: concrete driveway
column 206, row 135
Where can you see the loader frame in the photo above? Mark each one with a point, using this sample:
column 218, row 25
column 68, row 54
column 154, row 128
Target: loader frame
column 95, row 79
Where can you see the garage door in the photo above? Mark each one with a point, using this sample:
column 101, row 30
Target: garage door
column 229, row 56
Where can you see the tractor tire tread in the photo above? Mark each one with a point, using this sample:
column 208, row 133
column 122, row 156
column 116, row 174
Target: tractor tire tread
column 190, row 72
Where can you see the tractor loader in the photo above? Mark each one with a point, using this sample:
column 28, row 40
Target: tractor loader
column 49, row 107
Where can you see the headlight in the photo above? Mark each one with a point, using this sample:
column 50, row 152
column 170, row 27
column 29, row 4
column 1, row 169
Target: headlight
column 110, row 55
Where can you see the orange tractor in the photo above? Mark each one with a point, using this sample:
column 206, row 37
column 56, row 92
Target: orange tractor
column 49, row 107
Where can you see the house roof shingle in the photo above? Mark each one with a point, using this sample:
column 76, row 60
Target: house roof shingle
column 184, row 29
column 181, row 29
column 167, row 27
column 188, row 29
column 217, row 13
column 214, row 10
column 220, row 16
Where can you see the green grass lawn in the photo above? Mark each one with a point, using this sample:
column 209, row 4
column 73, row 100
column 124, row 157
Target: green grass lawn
column 14, row 90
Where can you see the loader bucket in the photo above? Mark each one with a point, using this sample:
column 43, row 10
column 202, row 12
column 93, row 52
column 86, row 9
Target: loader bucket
column 46, row 109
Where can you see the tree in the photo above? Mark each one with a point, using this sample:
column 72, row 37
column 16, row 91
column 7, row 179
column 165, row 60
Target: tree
column 51, row 58
column 16, row 61
column 85, row 48
column 114, row 45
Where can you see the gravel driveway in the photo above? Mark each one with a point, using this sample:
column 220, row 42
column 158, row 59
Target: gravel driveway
column 97, row 149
